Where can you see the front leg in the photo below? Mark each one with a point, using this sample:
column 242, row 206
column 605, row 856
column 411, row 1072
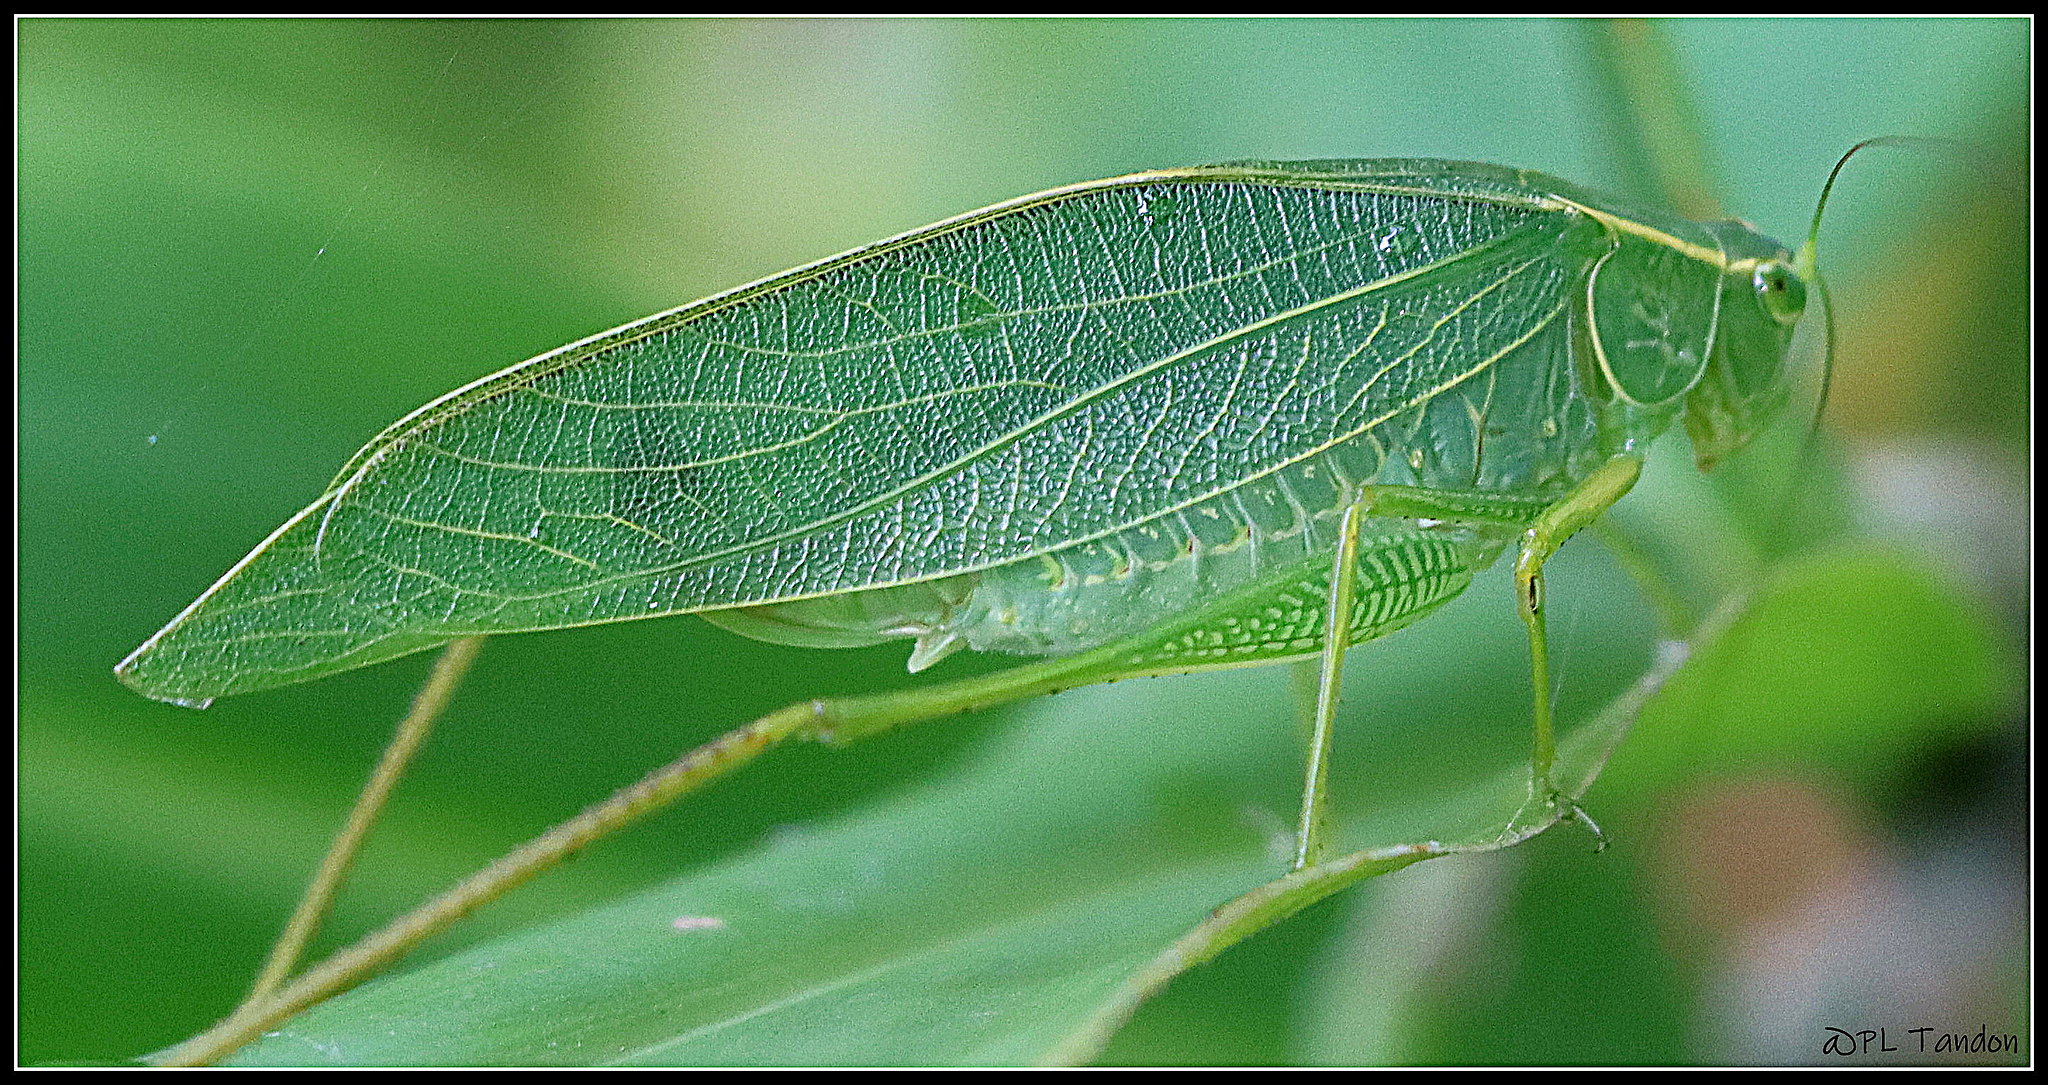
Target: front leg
column 1587, row 502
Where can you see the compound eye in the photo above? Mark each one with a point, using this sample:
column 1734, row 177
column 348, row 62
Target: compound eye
column 1781, row 291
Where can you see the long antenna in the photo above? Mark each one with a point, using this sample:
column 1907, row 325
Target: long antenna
column 1807, row 264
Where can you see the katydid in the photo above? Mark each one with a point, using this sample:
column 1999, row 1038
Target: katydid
column 1172, row 421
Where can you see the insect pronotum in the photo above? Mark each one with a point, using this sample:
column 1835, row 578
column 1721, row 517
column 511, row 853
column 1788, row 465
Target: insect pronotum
column 1166, row 422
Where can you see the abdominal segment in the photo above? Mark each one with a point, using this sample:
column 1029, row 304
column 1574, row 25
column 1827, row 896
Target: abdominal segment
column 1238, row 579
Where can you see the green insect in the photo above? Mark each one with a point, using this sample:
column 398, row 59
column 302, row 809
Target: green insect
column 1167, row 422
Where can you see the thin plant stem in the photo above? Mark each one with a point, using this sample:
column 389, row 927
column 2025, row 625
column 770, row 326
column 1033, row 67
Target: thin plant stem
column 835, row 721
column 1651, row 117
column 1676, row 615
column 1585, row 753
column 427, row 706
column 359, row 961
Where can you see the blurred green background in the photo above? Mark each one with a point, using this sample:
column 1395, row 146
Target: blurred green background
column 247, row 245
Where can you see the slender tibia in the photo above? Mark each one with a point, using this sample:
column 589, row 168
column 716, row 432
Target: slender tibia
column 1309, row 839
column 1586, row 503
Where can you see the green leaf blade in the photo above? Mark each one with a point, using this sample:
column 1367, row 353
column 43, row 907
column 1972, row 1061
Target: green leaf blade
column 997, row 914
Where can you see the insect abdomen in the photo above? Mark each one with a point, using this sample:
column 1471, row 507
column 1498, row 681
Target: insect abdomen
column 1248, row 580
column 1238, row 578
column 1085, row 596
column 1404, row 573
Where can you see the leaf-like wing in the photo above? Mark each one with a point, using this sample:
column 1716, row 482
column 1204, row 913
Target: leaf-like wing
column 994, row 387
